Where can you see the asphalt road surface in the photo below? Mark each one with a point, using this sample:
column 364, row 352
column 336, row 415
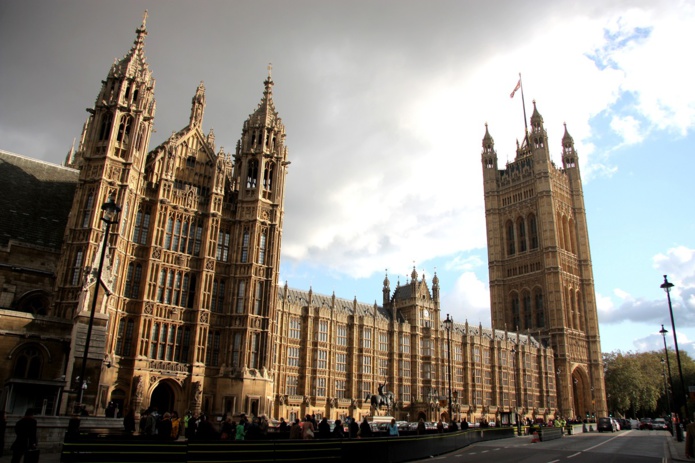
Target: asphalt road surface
column 620, row 447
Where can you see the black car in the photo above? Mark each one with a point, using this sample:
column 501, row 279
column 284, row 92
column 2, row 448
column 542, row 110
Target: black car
column 605, row 424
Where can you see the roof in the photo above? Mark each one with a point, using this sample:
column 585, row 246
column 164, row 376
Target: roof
column 35, row 200
column 301, row 298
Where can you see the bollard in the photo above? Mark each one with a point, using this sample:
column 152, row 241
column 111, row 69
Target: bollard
column 679, row 432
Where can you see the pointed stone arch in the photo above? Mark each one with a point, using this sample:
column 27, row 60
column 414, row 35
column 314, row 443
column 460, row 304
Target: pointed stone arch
column 582, row 400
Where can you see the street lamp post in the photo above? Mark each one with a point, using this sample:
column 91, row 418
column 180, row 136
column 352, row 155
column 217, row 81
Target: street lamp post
column 516, row 392
column 666, row 286
column 448, row 324
column 663, row 332
column 666, row 389
column 110, row 209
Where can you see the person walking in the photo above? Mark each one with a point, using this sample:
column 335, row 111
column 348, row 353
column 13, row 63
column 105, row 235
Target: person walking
column 393, row 428
column 308, row 428
column 421, row 429
column 365, row 428
column 338, row 430
column 690, row 439
column 25, row 442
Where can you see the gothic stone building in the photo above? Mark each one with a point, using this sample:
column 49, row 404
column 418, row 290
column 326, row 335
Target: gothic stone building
column 541, row 278
column 189, row 314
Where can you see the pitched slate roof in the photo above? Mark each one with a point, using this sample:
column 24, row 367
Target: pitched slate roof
column 301, row 298
column 35, row 200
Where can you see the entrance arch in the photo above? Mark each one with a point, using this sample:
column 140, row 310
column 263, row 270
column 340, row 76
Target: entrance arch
column 581, row 391
column 163, row 397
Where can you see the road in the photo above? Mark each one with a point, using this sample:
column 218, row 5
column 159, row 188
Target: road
column 621, row 447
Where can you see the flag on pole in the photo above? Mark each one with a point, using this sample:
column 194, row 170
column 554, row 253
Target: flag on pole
column 518, row 86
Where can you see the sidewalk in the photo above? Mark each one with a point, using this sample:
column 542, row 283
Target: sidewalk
column 43, row 458
column 677, row 450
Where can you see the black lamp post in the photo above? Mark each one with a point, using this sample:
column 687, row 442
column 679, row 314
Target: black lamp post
column 110, row 209
column 663, row 332
column 448, row 324
column 666, row 286
column 517, row 402
column 667, row 386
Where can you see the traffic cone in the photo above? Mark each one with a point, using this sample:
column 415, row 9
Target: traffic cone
column 535, row 437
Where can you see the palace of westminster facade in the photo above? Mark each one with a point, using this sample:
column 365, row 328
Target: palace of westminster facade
column 190, row 315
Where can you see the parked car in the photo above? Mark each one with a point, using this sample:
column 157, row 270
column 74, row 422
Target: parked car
column 616, row 424
column 659, row 424
column 605, row 424
column 645, row 423
column 625, row 424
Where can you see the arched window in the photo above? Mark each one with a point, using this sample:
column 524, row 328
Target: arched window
column 29, row 363
column 124, row 129
column 572, row 236
column 511, row 250
column 560, row 232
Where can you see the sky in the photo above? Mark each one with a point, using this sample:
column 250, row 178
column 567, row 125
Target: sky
column 385, row 105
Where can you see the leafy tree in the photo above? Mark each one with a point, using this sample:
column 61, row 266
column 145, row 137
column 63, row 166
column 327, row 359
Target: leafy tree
column 636, row 382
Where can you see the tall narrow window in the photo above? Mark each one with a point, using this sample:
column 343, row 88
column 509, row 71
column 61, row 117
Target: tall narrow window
column 105, row 129
column 261, row 248
column 198, row 239
column 236, row 349
column 528, row 314
column 258, row 298
column 245, row 247
column 253, row 351
column 268, row 176
column 252, row 174
column 217, row 296
column 132, row 282
column 516, row 312
column 223, row 246
column 87, row 211
column 511, row 250
column 522, row 235
column 240, row 295
column 168, row 233
column 533, row 231
column 142, row 225
column 124, row 129
column 77, row 268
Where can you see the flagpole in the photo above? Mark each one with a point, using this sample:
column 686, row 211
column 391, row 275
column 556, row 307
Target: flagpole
column 523, row 105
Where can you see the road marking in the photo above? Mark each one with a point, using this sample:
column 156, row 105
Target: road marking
column 599, row 445
column 553, row 461
column 572, row 456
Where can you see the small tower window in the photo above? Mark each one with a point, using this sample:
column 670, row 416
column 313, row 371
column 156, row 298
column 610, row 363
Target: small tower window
column 105, row 129
column 124, row 129
column 252, row 174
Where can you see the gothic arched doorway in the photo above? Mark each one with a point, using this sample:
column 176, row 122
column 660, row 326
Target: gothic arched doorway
column 163, row 398
column 581, row 391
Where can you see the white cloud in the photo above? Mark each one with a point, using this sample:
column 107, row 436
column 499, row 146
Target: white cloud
column 469, row 299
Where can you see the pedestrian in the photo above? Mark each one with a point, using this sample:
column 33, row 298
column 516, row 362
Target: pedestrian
column 241, row 428
column 25, row 442
column 421, row 427
column 324, row 429
column 283, row 427
column 308, row 428
column 354, row 428
column 393, row 428
column 440, row 426
column 690, row 439
column 73, row 432
column 296, row 430
column 164, row 427
column 338, row 430
column 227, row 431
column 365, row 428
column 175, row 425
